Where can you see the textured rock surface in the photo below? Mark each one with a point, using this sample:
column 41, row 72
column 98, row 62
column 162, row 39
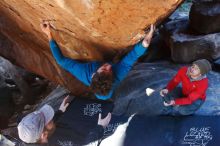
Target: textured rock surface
column 205, row 17
column 186, row 46
column 17, row 88
column 85, row 29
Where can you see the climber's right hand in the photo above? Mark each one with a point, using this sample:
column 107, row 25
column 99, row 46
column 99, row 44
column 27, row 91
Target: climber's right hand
column 147, row 39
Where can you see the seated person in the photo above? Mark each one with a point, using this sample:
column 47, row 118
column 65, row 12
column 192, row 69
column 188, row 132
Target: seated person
column 189, row 98
column 37, row 126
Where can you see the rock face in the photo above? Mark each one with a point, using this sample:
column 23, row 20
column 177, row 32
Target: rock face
column 85, row 29
column 205, row 17
column 17, row 88
column 186, row 46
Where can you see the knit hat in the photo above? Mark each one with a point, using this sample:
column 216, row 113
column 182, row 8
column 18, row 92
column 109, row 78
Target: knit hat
column 204, row 65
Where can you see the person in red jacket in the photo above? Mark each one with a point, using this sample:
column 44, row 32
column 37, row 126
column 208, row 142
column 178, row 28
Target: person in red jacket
column 189, row 98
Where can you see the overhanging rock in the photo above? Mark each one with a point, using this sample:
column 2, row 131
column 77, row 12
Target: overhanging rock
column 85, row 29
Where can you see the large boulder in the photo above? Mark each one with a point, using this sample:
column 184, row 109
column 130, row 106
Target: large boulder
column 17, row 89
column 131, row 96
column 186, row 46
column 85, row 29
column 205, row 16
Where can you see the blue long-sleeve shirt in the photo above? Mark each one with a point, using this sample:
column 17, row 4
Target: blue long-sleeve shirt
column 84, row 71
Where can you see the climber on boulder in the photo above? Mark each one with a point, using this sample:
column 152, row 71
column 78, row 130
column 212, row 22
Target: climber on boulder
column 103, row 78
column 189, row 98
